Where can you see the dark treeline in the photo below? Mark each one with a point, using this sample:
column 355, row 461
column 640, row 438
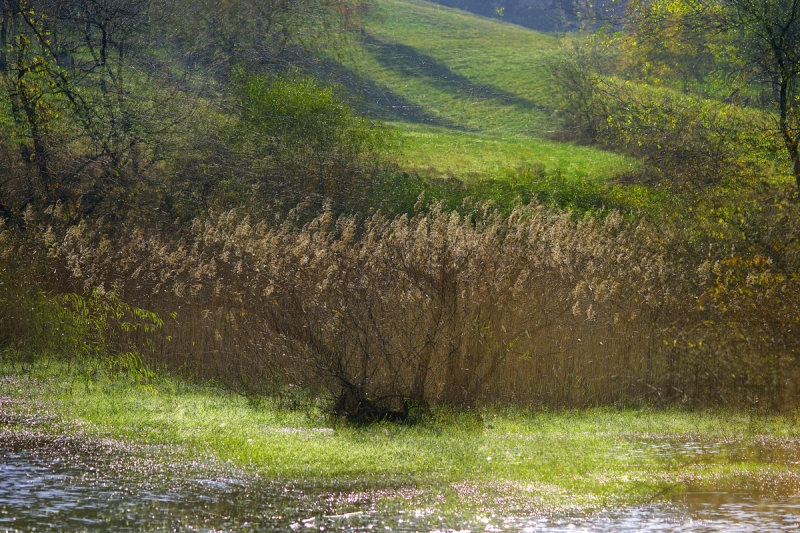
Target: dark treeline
column 543, row 15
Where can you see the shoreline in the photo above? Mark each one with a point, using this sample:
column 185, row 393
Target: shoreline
column 586, row 459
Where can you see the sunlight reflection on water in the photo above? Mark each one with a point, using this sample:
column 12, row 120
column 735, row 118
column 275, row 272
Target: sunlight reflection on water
column 88, row 493
column 694, row 512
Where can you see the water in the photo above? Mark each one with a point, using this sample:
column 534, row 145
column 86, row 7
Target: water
column 732, row 512
column 69, row 485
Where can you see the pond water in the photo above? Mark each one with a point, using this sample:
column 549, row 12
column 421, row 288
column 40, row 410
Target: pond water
column 69, row 485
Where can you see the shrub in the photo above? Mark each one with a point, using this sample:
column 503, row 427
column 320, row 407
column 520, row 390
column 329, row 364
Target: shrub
column 279, row 142
column 38, row 320
column 315, row 143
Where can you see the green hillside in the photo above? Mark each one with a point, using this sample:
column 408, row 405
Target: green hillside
column 468, row 96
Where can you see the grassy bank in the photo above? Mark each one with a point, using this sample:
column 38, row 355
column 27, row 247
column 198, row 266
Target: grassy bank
column 556, row 460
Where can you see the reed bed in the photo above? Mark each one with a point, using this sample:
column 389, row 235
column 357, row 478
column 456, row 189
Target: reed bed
column 388, row 315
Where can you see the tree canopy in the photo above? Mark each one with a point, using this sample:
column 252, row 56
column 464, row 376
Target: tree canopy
column 747, row 48
column 94, row 92
column 770, row 31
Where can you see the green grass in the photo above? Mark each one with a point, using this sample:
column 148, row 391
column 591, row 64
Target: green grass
column 436, row 151
column 466, row 96
column 471, row 97
column 586, row 458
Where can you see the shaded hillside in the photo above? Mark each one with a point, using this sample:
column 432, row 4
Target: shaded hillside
column 542, row 15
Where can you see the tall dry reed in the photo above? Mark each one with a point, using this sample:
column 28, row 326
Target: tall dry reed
column 534, row 308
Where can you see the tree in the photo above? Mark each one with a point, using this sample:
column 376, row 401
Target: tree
column 67, row 76
column 747, row 45
column 32, row 102
column 98, row 97
column 224, row 34
column 671, row 42
column 770, row 40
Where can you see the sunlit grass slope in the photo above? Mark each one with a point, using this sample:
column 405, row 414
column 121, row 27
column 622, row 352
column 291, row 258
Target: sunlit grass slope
column 468, row 96
column 441, row 151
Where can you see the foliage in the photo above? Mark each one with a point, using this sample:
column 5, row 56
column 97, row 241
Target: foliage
column 676, row 43
column 308, row 131
column 743, row 51
column 72, row 129
column 37, row 321
column 32, row 104
column 281, row 141
column 686, row 140
column 770, row 41
column 98, row 95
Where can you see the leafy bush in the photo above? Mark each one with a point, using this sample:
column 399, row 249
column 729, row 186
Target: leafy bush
column 38, row 321
column 282, row 141
column 299, row 112
column 313, row 143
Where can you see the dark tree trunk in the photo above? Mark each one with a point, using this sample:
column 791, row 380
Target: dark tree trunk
column 790, row 137
column 796, row 161
column 3, row 36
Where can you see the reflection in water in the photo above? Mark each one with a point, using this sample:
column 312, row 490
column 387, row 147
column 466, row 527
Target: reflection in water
column 95, row 490
column 695, row 512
